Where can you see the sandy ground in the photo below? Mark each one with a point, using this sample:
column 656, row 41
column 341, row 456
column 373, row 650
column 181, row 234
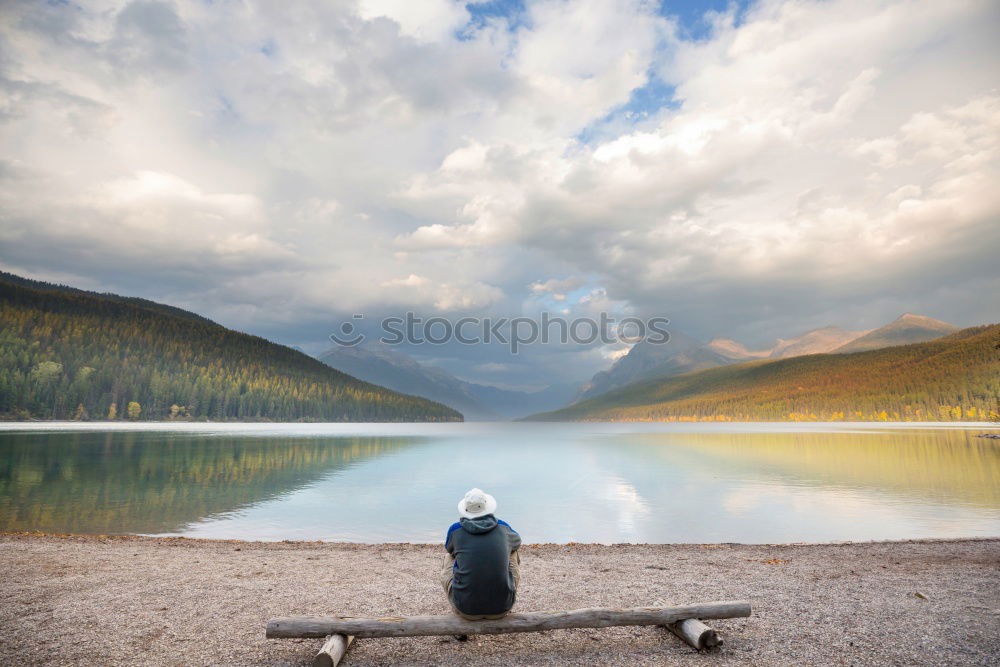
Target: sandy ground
column 128, row 600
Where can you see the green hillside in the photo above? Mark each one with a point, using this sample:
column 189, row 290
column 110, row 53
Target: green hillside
column 70, row 354
column 952, row 378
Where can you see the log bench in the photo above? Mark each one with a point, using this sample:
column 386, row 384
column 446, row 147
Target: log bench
column 340, row 631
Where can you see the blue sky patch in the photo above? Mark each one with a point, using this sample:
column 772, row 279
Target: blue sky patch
column 644, row 103
column 481, row 12
column 690, row 14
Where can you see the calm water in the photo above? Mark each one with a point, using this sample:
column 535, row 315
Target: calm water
column 554, row 482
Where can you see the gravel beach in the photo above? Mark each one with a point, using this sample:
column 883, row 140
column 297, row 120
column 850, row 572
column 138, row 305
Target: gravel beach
column 136, row 600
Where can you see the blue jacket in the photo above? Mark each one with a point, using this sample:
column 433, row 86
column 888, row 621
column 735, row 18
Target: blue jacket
column 482, row 582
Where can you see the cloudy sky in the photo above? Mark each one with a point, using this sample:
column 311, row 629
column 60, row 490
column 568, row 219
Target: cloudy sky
column 749, row 170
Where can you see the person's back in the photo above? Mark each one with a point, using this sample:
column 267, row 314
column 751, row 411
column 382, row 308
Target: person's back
column 481, row 571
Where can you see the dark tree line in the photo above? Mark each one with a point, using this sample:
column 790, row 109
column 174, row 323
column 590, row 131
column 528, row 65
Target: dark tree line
column 69, row 354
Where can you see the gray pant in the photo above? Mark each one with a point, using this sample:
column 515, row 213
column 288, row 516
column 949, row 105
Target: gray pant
column 448, row 571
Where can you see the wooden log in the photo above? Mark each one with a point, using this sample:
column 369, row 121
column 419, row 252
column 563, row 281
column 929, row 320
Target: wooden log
column 693, row 632
column 333, row 651
column 413, row 626
column 696, row 634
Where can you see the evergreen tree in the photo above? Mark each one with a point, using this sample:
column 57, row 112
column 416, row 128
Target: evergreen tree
column 62, row 349
column 953, row 378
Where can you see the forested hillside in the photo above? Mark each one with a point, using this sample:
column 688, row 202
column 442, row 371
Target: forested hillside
column 69, row 354
column 949, row 379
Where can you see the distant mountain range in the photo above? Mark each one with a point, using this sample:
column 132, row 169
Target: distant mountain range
column 389, row 367
column 682, row 354
column 907, row 329
column 70, row 354
column 955, row 377
column 67, row 353
column 816, row 341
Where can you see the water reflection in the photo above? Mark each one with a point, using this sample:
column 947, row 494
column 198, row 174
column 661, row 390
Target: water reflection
column 140, row 482
column 946, row 465
column 555, row 483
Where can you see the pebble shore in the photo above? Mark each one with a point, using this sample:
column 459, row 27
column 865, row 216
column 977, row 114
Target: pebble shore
column 77, row 600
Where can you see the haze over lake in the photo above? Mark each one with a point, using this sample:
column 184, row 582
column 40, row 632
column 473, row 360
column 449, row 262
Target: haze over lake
column 554, row 482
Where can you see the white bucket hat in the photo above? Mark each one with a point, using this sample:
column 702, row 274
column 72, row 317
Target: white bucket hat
column 477, row 503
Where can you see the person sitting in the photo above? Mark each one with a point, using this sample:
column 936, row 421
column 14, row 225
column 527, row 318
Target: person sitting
column 482, row 568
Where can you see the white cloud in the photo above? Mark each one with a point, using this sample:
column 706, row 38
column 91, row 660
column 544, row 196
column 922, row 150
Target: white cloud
column 822, row 162
column 555, row 288
column 783, row 105
column 412, row 280
column 615, row 353
column 449, row 297
column 428, row 20
column 581, row 59
column 148, row 219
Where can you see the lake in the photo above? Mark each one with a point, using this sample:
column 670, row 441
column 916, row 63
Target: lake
column 695, row 483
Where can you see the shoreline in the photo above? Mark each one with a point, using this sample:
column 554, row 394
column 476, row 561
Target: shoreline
column 125, row 537
column 127, row 599
column 133, row 424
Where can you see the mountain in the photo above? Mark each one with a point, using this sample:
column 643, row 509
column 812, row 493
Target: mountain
column 680, row 354
column 67, row 353
column 950, row 378
column 683, row 354
column 816, row 341
column 645, row 361
column 730, row 349
column 908, row 328
column 11, row 279
column 389, row 367
column 513, row 404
